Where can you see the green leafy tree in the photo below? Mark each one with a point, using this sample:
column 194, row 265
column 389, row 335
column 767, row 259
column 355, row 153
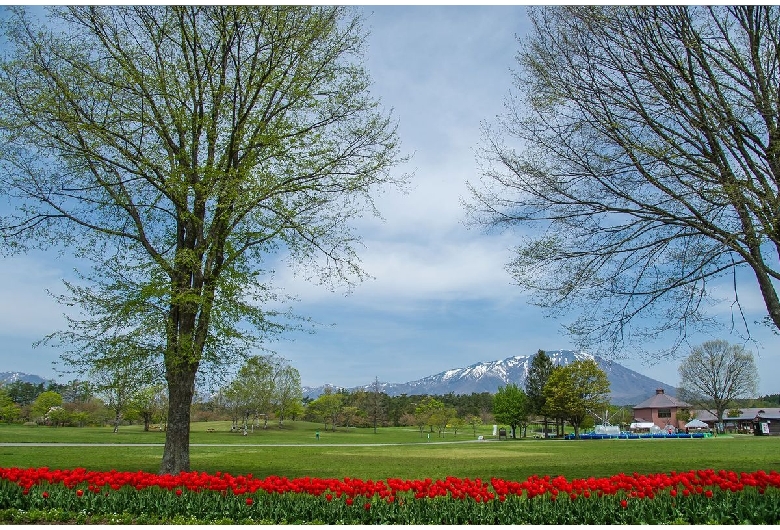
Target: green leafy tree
column 327, row 407
column 117, row 377
column 576, row 390
column 538, row 374
column 92, row 411
column 475, row 421
column 441, row 417
column 425, row 413
column 400, row 407
column 716, row 373
column 147, row 403
column 511, row 406
column 231, row 400
column 264, row 384
column 76, row 391
column 23, row 392
column 253, row 388
column 769, row 400
column 9, row 411
column 297, row 410
column 649, row 165
column 458, row 424
column 45, row 402
column 173, row 148
column 684, row 415
column 287, row 392
column 349, row 415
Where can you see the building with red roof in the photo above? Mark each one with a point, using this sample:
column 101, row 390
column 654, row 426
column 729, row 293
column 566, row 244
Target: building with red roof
column 661, row 409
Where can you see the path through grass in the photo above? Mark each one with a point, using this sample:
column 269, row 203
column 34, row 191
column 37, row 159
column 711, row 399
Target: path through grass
column 414, row 458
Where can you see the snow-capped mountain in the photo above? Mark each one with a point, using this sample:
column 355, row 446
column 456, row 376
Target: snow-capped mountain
column 11, row 377
column 627, row 386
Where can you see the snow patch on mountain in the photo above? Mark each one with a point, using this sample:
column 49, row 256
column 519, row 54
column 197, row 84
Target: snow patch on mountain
column 627, row 387
column 12, row 377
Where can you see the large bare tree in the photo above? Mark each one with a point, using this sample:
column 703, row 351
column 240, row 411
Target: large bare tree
column 716, row 373
column 640, row 157
column 179, row 151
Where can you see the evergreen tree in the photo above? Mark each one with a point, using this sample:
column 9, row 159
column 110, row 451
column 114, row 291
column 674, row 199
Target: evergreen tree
column 538, row 374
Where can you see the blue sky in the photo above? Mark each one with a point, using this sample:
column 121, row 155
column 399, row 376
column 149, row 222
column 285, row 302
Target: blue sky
column 440, row 297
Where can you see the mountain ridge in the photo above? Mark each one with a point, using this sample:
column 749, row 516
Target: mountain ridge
column 11, row 377
column 627, row 387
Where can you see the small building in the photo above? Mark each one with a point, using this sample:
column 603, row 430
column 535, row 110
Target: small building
column 748, row 420
column 661, row 410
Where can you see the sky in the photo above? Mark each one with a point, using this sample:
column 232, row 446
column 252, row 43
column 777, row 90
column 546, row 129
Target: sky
column 440, row 296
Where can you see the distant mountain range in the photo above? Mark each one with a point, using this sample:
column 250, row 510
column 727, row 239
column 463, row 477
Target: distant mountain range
column 11, row 377
column 627, row 386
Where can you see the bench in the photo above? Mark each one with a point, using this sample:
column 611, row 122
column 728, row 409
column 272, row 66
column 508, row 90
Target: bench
column 211, row 429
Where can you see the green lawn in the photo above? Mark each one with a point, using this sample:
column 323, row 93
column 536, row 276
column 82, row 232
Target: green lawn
column 410, row 457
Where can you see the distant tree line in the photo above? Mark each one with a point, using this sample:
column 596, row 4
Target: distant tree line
column 78, row 403
column 370, row 408
column 268, row 388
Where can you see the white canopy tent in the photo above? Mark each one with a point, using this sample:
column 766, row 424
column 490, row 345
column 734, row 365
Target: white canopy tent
column 648, row 426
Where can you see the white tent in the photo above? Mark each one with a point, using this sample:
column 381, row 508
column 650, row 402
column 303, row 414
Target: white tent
column 645, row 425
column 696, row 424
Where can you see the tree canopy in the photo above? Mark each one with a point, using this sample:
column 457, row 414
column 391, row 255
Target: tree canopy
column 576, row 391
column 716, row 373
column 175, row 149
column 264, row 384
column 640, row 158
column 538, row 374
column 511, row 406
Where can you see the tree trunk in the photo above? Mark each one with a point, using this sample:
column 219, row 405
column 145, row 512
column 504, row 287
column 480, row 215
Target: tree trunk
column 720, row 412
column 116, row 422
column 181, row 388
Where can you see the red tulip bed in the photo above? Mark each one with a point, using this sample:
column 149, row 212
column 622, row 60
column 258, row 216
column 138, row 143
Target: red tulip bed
column 81, row 496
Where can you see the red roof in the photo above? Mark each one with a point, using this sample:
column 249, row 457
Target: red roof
column 662, row 401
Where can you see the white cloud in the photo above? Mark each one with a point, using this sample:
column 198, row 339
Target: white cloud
column 441, row 297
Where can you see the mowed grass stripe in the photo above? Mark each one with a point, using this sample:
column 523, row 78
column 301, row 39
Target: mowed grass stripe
column 415, row 459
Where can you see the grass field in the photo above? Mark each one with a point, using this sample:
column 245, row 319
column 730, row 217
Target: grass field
column 294, row 452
